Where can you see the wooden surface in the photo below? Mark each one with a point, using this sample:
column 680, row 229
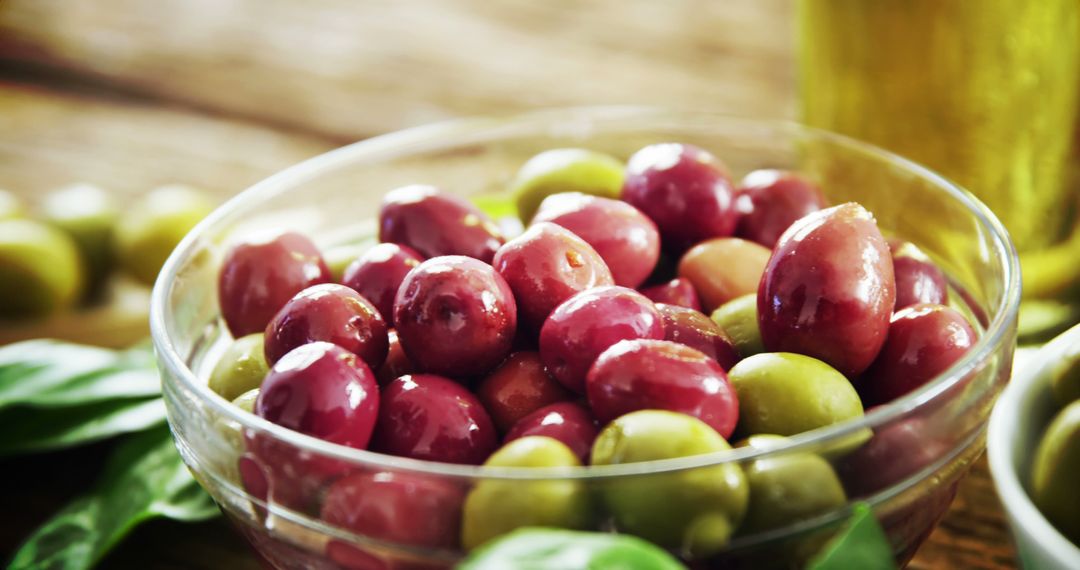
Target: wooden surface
column 221, row 93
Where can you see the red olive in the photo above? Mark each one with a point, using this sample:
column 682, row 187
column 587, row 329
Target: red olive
column 518, row 387
column 692, row 328
column 435, row 223
column 377, row 274
column 769, row 201
column 679, row 291
column 918, row 280
column 396, row 363
column 567, row 422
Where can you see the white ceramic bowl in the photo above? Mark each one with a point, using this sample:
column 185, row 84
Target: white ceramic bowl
column 1016, row 424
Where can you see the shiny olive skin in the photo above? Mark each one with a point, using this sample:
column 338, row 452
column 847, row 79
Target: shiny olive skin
column 258, row 277
column 661, row 375
column 455, row 316
column 626, row 239
column 924, row 340
column 828, row 289
column 517, row 388
column 685, row 190
column 565, row 170
column 545, row 266
column 331, row 313
column 495, row 507
column 241, row 368
column 424, row 416
column 722, row 269
column 400, row 508
column 787, row 394
column 396, row 363
column 1054, row 472
column 787, row 488
column 692, row 328
column 435, row 223
column 738, row 319
column 769, row 201
column 918, row 281
column 587, row 324
column 693, row 511
column 679, row 291
column 568, row 422
column 377, row 274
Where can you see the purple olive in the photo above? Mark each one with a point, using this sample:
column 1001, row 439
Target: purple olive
column 377, row 274
column 692, row 328
column 545, row 266
column 685, row 190
column 626, row 239
column 588, row 323
column 828, row 289
column 258, row 277
column 435, row 223
column 455, row 316
column 396, row 363
column 567, row 422
column 424, row 416
column 518, row 387
column 679, row 291
column 924, row 340
column 331, row 313
column 918, row 280
column 661, row 375
column 769, row 201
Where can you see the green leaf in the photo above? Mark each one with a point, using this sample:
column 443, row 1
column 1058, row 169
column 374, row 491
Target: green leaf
column 143, row 479
column 29, row 429
column 556, row 549
column 861, row 544
column 49, row 374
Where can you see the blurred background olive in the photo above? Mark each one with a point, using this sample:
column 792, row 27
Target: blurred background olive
column 40, row 269
column 88, row 214
column 149, row 230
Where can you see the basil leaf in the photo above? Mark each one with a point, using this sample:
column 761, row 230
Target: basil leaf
column 862, row 544
column 143, row 479
column 28, row 429
column 555, row 549
column 48, row 373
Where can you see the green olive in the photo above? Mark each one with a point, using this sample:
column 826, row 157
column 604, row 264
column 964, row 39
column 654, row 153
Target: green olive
column 87, row 214
column 246, row 401
column 738, row 318
column 565, row 170
column 1065, row 379
column 339, row 258
column 785, row 394
column 496, row 507
column 1056, row 470
column 787, row 488
column 241, row 368
column 694, row 511
column 10, row 205
column 40, row 269
column 151, row 230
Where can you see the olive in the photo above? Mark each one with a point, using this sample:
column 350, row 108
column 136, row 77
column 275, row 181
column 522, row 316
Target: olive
column 435, row 223
column 1054, row 472
column 565, row 170
column 828, row 289
column 567, row 422
column 694, row 511
column 678, row 291
column 918, row 280
column 769, row 201
column 241, row 368
column 11, row 206
column 1065, row 379
column 517, row 388
column 40, row 269
column 87, row 214
column 895, row 452
column 396, row 363
column 246, row 401
column 692, row 328
column 722, row 269
column 495, row 507
column 377, row 274
column 738, row 319
column 787, row 394
column 150, row 230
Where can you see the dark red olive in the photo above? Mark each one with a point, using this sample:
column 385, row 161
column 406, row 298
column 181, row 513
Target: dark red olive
column 679, row 291
column 626, row 239
column 661, row 375
column 396, row 363
column 258, row 277
column 918, row 280
column 685, row 190
column 924, row 340
column 435, row 223
column 378, row 273
column 399, row 508
column 769, row 201
column 828, row 289
column 518, row 387
column 588, row 323
column 331, row 313
column 545, row 266
column 897, row 451
column 424, row 416
column 567, row 422
column 692, row 328
column 455, row 316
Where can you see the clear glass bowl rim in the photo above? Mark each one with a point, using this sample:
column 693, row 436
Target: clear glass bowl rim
column 453, row 133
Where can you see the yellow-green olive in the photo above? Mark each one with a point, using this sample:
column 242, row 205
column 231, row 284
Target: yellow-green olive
column 40, row 269
column 87, row 214
column 738, row 318
column 1056, row 470
column 148, row 233
column 565, row 170
column 241, row 368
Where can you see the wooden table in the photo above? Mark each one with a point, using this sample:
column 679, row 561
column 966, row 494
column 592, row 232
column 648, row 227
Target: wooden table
column 221, row 93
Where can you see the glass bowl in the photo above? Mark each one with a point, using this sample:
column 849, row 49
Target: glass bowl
column 904, row 458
